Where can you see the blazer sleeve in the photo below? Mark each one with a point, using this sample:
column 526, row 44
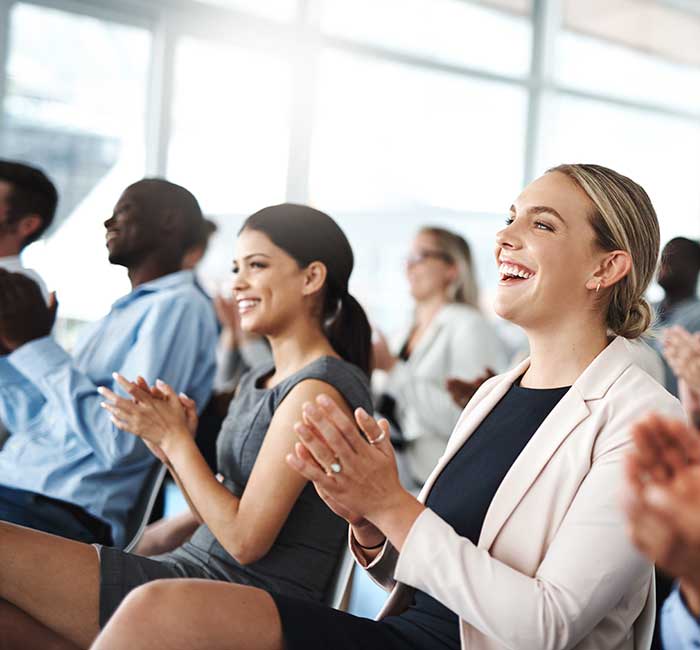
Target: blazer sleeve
column 381, row 569
column 572, row 589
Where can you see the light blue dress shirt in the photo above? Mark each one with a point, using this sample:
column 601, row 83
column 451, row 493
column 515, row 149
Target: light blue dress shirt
column 687, row 315
column 63, row 443
column 680, row 630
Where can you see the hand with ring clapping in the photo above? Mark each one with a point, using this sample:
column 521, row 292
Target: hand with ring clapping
column 355, row 475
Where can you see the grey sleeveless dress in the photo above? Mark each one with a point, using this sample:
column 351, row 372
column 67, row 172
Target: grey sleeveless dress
column 302, row 560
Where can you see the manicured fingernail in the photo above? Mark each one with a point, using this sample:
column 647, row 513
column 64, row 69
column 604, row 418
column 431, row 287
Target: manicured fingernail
column 103, row 405
column 301, row 430
column 115, row 375
column 184, row 395
column 160, row 383
column 101, row 390
column 362, row 413
column 310, row 408
column 324, row 400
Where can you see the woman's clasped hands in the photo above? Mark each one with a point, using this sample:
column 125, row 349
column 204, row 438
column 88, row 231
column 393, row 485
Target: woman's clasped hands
column 156, row 414
column 355, row 475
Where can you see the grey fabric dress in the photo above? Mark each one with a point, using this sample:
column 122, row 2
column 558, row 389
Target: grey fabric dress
column 302, row 560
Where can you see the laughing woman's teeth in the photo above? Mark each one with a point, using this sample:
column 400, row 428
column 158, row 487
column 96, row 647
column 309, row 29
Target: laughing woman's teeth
column 510, row 271
column 246, row 304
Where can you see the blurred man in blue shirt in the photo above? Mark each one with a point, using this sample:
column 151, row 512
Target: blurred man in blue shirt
column 678, row 277
column 66, row 469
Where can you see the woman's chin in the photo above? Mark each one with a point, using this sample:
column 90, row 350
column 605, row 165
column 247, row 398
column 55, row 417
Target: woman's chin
column 250, row 325
column 502, row 308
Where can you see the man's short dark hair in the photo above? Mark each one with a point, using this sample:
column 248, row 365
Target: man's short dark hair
column 163, row 195
column 32, row 194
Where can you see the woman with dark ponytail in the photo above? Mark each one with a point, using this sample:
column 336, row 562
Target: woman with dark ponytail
column 310, row 235
column 262, row 524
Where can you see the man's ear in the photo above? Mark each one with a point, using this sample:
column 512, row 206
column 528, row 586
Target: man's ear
column 29, row 225
column 614, row 266
column 315, row 275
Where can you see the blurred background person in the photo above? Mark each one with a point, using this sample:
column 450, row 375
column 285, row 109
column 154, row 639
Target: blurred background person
column 66, row 469
column 198, row 250
column 678, row 277
column 28, row 202
column 27, row 206
column 682, row 354
column 448, row 336
column 238, row 351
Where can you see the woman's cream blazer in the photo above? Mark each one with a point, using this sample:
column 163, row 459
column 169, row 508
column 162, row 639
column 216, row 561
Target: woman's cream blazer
column 554, row 567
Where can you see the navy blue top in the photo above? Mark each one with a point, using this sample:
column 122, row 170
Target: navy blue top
column 463, row 493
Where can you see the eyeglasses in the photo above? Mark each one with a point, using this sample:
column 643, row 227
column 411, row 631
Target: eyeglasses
column 422, row 256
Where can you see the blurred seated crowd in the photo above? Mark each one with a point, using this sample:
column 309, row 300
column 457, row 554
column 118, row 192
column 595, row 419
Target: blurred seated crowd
column 547, row 497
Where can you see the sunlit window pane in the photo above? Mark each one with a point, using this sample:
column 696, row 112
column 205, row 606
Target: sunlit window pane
column 453, row 31
column 277, row 9
column 230, row 139
column 635, row 143
column 641, row 51
column 75, row 106
column 389, row 136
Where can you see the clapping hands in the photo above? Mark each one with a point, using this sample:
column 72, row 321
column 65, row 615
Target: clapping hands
column 155, row 414
column 352, row 465
column 682, row 352
column 462, row 390
column 662, row 499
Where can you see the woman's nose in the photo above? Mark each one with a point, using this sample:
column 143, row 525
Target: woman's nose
column 508, row 237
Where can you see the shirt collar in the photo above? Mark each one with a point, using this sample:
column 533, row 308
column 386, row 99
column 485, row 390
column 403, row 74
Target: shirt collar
column 11, row 260
column 170, row 281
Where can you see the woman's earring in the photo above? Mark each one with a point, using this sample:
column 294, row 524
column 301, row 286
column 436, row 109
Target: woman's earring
column 597, row 289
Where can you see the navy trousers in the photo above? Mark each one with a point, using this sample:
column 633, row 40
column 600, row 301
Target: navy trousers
column 52, row 516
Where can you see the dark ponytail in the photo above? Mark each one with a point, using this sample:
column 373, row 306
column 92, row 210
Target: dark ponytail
column 309, row 235
column 347, row 328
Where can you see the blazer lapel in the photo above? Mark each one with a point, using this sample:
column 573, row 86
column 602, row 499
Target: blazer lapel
column 572, row 409
column 563, row 419
column 469, row 421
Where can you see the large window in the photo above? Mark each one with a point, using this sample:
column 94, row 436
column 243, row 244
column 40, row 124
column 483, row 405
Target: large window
column 391, row 136
column 643, row 51
column 275, row 9
column 388, row 114
column 660, row 152
column 231, row 126
column 75, row 105
column 453, row 31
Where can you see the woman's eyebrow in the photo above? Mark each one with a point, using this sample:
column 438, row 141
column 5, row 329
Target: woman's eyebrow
column 539, row 209
column 247, row 257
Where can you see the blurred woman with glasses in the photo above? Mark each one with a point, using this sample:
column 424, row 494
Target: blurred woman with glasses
column 447, row 336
